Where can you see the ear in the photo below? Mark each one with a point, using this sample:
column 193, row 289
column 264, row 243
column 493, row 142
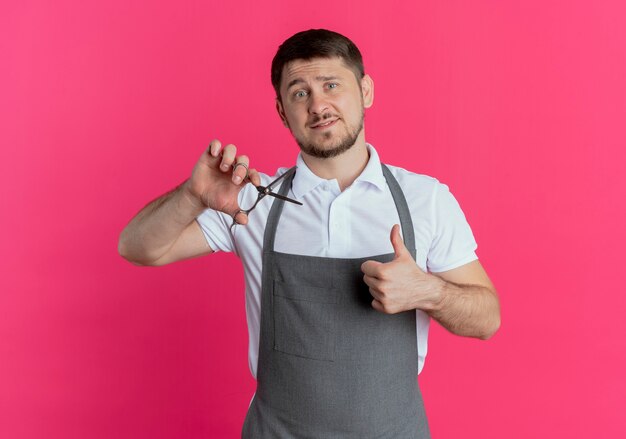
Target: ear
column 367, row 88
column 281, row 112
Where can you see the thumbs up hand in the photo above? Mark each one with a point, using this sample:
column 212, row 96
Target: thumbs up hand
column 401, row 285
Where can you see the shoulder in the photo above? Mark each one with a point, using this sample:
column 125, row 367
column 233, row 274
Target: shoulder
column 425, row 193
column 414, row 184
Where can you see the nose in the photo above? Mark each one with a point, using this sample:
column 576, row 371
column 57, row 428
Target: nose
column 317, row 103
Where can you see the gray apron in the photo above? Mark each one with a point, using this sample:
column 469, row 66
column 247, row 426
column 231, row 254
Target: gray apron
column 330, row 365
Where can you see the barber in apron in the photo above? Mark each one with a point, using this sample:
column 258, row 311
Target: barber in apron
column 330, row 365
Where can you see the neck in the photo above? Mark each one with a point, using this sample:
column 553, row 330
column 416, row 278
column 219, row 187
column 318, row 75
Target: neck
column 345, row 167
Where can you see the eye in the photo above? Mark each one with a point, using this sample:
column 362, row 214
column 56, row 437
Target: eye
column 300, row 94
column 333, row 85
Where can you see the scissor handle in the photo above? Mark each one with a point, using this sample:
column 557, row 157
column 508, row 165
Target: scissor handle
column 234, row 220
column 246, row 211
column 263, row 191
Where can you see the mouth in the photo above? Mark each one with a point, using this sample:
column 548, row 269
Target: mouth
column 324, row 124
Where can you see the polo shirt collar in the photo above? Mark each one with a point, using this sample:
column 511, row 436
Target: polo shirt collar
column 305, row 180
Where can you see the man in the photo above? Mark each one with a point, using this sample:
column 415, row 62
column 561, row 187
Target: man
column 338, row 302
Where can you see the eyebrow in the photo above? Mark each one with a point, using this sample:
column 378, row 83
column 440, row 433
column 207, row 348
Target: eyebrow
column 317, row 78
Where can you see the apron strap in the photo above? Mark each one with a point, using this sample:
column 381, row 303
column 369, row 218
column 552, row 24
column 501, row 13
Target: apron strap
column 275, row 211
column 408, row 233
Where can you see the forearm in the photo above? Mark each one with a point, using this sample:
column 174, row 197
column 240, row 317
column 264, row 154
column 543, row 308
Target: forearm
column 467, row 310
column 156, row 227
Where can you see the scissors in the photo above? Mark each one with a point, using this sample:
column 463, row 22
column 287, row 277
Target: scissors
column 267, row 190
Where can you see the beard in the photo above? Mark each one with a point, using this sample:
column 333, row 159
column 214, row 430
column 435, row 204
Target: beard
column 342, row 144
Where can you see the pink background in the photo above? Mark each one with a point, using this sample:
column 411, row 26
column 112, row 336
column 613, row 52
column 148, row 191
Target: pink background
column 520, row 107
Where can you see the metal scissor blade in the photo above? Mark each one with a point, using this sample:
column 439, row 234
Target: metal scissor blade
column 289, row 172
column 282, row 197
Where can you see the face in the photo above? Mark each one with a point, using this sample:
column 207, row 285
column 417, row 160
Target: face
column 322, row 103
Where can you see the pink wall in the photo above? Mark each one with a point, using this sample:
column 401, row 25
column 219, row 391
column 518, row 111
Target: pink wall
column 520, row 107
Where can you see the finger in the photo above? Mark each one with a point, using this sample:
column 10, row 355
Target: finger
column 377, row 306
column 371, row 268
column 397, row 242
column 368, row 280
column 228, row 157
column 373, row 283
column 376, row 293
column 215, row 147
column 240, row 169
column 254, row 177
column 241, row 218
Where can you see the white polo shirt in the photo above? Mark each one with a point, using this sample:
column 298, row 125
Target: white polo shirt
column 354, row 223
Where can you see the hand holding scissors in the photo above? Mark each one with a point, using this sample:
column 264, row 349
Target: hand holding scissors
column 218, row 177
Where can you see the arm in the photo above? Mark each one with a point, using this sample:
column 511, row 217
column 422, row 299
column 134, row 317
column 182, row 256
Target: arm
column 468, row 303
column 462, row 300
column 165, row 230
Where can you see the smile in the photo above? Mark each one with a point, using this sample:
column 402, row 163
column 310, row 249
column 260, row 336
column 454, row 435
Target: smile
column 324, row 124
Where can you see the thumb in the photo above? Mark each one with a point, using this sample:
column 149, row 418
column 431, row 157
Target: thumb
column 397, row 242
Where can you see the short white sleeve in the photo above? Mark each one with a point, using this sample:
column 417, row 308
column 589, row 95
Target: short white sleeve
column 215, row 226
column 453, row 242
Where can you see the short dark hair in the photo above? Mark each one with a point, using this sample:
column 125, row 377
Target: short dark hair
column 316, row 43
